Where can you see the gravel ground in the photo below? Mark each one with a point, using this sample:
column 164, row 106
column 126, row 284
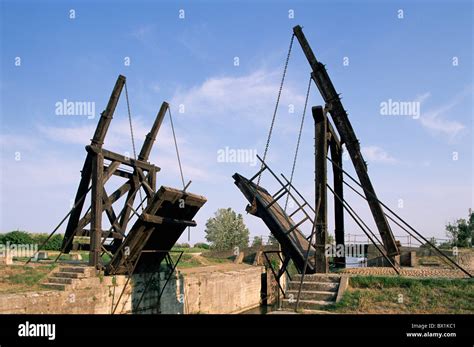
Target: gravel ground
column 407, row 272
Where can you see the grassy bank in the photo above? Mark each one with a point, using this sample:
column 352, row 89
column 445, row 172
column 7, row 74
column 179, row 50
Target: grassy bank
column 370, row 294
column 22, row 278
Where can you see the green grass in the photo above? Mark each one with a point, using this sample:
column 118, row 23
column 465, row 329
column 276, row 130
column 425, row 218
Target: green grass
column 373, row 294
column 186, row 260
column 25, row 278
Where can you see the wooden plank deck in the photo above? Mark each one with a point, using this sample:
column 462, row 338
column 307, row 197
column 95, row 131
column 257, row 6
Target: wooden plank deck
column 147, row 235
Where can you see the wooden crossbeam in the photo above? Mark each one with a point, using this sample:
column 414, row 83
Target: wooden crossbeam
column 123, row 173
column 149, row 218
column 110, row 170
column 122, row 159
column 143, row 180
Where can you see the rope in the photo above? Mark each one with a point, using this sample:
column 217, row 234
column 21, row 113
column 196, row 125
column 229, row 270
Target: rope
column 131, row 134
column 276, row 108
column 176, row 147
column 298, row 142
column 179, row 161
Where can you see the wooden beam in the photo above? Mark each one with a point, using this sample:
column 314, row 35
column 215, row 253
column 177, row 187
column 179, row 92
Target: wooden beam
column 152, row 182
column 124, row 174
column 333, row 134
column 105, row 233
column 116, row 195
column 110, row 212
column 110, row 170
column 122, row 159
column 338, row 186
column 321, row 149
column 125, row 213
column 96, row 210
column 144, row 182
column 163, row 220
column 106, row 116
column 151, row 136
column 78, row 204
column 348, row 137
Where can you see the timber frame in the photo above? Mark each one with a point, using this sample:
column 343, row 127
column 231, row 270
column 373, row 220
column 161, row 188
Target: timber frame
column 96, row 172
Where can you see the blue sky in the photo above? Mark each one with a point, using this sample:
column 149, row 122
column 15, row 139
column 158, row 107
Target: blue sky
column 190, row 62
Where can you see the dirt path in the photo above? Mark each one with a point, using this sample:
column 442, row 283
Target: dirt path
column 199, row 258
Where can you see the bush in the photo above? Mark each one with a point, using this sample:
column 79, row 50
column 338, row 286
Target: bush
column 23, row 238
column 182, row 245
column 201, row 245
column 17, row 237
column 53, row 244
column 257, row 241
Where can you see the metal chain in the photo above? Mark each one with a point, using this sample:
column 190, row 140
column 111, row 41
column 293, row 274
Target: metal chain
column 298, row 141
column 276, row 107
column 131, row 135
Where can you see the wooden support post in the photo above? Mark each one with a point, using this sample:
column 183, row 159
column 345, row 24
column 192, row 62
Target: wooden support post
column 106, row 116
column 321, row 149
column 78, row 204
column 336, row 157
column 96, row 209
column 152, row 182
column 151, row 136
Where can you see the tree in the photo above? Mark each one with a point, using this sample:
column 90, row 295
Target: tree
column 17, row 237
column 227, row 230
column 461, row 232
column 272, row 240
column 201, row 245
column 53, row 244
column 432, row 240
column 331, row 240
column 257, row 241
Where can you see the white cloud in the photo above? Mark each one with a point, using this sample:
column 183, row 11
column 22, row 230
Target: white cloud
column 249, row 97
column 118, row 139
column 143, row 32
column 377, row 154
column 423, row 97
column 437, row 120
column 118, row 135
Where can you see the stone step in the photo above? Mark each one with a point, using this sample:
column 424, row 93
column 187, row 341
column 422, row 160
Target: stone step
column 61, row 280
column 312, row 295
column 317, row 278
column 77, row 269
column 64, row 274
column 55, row 286
column 305, row 304
column 315, row 286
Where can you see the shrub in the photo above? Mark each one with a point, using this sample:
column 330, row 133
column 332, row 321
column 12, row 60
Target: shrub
column 17, row 237
column 183, row 245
